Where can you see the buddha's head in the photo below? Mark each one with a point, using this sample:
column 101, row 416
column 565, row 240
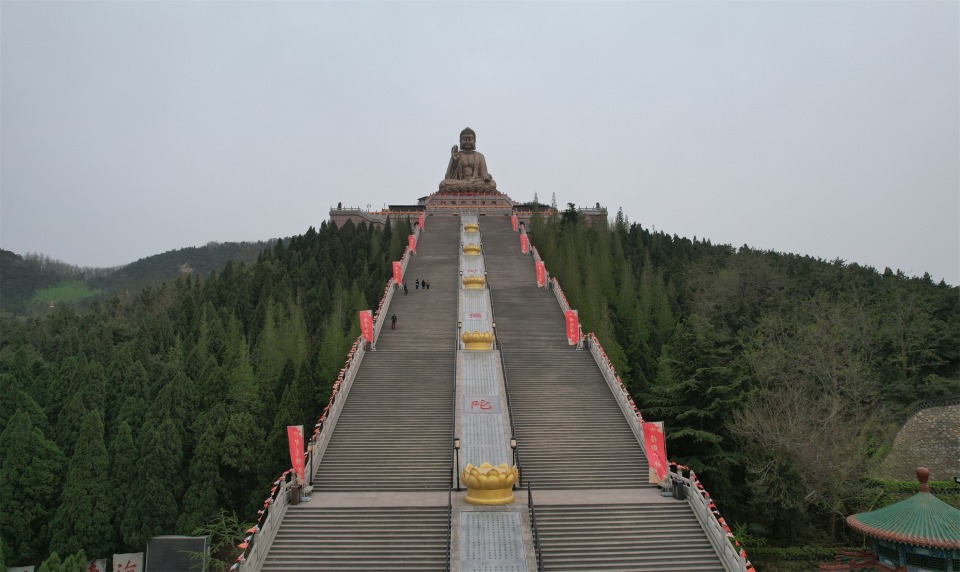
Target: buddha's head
column 468, row 140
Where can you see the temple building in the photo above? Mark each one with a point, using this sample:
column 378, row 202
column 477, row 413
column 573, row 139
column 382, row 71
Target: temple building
column 456, row 202
column 917, row 534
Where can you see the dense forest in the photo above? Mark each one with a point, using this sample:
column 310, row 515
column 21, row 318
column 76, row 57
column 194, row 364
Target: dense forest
column 780, row 378
column 152, row 413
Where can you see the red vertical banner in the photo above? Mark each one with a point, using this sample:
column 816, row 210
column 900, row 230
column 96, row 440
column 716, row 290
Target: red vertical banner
column 366, row 325
column 524, row 244
column 420, row 220
column 295, row 439
column 412, row 243
column 656, row 449
column 541, row 274
column 398, row 273
column 573, row 327
column 513, row 222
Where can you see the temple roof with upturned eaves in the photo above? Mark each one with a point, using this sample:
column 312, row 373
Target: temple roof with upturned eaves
column 921, row 520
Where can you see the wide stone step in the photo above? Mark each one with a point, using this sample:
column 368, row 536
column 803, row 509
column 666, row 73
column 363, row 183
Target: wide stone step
column 624, row 537
column 314, row 537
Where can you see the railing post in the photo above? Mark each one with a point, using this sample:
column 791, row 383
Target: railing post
column 456, row 464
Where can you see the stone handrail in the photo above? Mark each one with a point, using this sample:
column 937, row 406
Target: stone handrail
column 258, row 543
column 547, row 278
column 558, row 292
column 618, row 389
column 732, row 555
column 405, row 259
column 552, row 282
column 379, row 316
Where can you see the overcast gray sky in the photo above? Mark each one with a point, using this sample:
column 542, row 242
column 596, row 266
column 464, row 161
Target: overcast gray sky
column 823, row 128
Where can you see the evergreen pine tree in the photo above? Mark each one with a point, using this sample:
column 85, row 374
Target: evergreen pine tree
column 83, row 519
column 123, row 473
column 30, row 484
column 152, row 506
column 15, row 400
column 696, row 391
column 202, row 500
column 76, row 562
column 52, row 563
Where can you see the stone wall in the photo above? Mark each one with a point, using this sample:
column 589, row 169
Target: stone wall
column 931, row 439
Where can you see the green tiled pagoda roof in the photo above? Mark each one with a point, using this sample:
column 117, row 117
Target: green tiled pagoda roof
column 921, row 520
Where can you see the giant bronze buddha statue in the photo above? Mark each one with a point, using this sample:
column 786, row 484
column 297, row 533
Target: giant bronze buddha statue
column 467, row 169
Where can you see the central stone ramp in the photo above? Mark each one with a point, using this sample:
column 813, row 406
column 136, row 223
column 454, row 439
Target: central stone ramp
column 381, row 489
column 570, row 429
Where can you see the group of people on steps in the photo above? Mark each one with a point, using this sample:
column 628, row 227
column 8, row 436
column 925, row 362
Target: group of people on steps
column 420, row 283
column 417, row 285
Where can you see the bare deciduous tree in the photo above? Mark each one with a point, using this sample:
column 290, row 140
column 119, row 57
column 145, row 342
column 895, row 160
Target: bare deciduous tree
column 811, row 409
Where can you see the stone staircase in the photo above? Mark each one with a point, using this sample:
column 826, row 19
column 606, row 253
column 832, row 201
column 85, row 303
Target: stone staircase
column 577, row 451
column 395, row 429
column 392, row 440
column 379, row 500
column 570, row 430
column 653, row 537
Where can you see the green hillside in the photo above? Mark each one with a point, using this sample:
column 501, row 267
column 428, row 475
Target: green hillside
column 32, row 284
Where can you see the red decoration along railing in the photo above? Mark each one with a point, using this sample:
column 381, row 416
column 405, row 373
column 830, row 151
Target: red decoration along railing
column 721, row 536
column 259, row 537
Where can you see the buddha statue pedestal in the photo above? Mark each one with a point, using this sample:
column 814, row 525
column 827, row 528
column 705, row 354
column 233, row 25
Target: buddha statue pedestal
column 473, row 282
column 489, row 485
column 474, row 341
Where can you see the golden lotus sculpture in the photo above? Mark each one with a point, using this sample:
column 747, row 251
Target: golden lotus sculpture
column 471, row 249
column 477, row 340
column 471, row 227
column 473, row 282
column 489, row 485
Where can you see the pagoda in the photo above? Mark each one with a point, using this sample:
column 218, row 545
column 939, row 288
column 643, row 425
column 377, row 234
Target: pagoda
column 916, row 534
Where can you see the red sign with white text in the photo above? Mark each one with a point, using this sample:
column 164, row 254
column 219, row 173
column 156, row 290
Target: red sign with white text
column 513, row 222
column 656, row 448
column 398, row 273
column 573, row 327
column 524, row 244
column 366, row 325
column 541, row 274
column 412, row 243
column 295, row 438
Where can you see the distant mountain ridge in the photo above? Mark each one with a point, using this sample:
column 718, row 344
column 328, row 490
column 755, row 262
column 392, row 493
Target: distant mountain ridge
column 23, row 277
